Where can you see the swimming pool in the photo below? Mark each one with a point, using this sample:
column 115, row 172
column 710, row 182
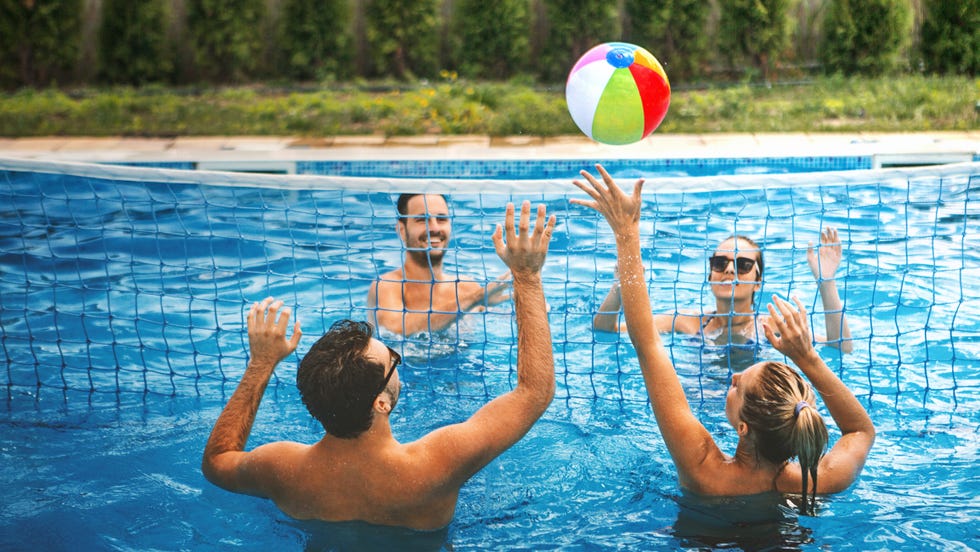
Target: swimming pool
column 123, row 300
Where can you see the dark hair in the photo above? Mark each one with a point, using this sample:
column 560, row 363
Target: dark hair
column 403, row 200
column 783, row 427
column 337, row 383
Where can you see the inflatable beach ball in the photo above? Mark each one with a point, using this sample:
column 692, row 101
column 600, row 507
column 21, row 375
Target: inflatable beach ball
column 617, row 93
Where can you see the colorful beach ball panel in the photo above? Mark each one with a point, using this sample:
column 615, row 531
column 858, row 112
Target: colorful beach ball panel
column 617, row 93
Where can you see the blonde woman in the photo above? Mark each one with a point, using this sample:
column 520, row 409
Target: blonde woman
column 770, row 405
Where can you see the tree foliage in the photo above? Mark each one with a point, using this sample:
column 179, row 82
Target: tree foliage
column 572, row 28
column 755, row 32
column 225, row 37
column 865, row 36
column 133, row 42
column 950, row 36
column 402, row 37
column 493, row 37
column 39, row 41
column 314, row 38
column 673, row 30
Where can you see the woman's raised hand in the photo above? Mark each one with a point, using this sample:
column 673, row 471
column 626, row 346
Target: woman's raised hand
column 620, row 210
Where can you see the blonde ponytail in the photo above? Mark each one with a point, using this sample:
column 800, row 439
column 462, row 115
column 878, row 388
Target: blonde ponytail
column 780, row 412
column 809, row 438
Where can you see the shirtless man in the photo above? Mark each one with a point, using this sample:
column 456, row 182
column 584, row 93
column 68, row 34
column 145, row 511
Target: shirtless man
column 349, row 382
column 419, row 296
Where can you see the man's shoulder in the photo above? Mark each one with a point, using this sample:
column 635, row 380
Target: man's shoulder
column 391, row 277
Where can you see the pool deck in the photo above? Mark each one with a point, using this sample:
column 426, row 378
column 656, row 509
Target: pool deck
column 933, row 145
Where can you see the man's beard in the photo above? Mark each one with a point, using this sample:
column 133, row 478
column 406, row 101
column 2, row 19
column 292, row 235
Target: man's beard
column 427, row 257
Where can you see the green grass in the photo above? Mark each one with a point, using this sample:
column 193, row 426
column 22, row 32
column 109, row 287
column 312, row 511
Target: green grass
column 830, row 104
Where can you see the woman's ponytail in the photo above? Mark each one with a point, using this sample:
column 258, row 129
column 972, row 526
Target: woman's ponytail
column 809, row 440
column 780, row 410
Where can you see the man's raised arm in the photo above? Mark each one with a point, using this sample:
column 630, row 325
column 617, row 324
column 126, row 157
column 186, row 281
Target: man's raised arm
column 463, row 449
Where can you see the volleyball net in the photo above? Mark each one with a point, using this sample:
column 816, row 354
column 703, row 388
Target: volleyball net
column 132, row 279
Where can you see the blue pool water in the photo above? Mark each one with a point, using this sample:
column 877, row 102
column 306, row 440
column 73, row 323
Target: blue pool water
column 123, row 305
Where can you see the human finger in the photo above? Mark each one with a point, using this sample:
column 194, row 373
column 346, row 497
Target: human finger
column 770, row 334
column 498, row 241
column 283, row 322
column 539, row 220
column 272, row 311
column 775, row 315
column 549, row 231
column 297, row 334
column 638, row 189
column 587, row 188
column 509, row 222
column 253, row 314
column 799, row 307
column 525, row 222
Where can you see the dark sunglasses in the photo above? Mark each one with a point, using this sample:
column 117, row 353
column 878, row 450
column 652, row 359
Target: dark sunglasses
column 396, row 359
column 742, row 264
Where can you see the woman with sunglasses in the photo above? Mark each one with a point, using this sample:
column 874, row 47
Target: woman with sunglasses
column 770, row 405
column 735, row 276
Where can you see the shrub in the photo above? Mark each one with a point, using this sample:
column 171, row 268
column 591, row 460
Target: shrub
column 225, row 37
column 133, row 42
column 754, row 31
column 314, row 38
column 950, row 36
column 402, row 37
column 39, row 41
column 673, row 31
column 865, row 36
column 572, row 27
column 493, row 37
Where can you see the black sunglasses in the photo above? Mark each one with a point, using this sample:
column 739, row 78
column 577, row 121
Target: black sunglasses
column 742, row 264
column 396, row 359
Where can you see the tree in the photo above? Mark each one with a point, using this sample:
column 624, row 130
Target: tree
column 950, row 35
column 314, row 38
column 227, row 44
column 133, row 42
column 493, row 37
column 755, row 31
column 672, row 30
column 571, row 28
column 402, row 36
column 864, row 36
column 39, row 40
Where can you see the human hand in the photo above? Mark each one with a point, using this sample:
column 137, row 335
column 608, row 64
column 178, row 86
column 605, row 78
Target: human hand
column 267, row 341
column 524, row 254
column 621, row 211
column 496, row 291
column 788, row 330
column 825, row 260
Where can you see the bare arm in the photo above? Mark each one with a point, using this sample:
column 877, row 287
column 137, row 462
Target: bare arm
column 841, row 466
column 823, row 263
column 224, row 454
column 465, row 448
column 607, row 319
column 448, row 301
column 687, row 439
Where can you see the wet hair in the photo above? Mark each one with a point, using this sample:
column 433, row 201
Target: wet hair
column 403, row 200
column 783, row 426
column 759, row 261
column 337, row 383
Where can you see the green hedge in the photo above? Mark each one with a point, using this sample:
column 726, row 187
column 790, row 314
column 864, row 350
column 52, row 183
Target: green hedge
column 39, row 41
column 133, row 46
column 532, row 41
column 226, row 40
column 865, row 37
column 951, row 36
